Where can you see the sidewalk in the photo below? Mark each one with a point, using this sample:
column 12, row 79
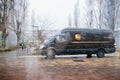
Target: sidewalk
column 25, row 52
column 10, row 48
column 17, row 52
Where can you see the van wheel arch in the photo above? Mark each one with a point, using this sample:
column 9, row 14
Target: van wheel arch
column 100, row 53
column 50, row 53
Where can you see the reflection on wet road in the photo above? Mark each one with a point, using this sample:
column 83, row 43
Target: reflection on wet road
column 38, row 68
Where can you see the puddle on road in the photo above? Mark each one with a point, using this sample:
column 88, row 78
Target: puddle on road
column 78, row 60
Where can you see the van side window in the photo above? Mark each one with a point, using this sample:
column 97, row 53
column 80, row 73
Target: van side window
column 77, row 37
column 68, row 37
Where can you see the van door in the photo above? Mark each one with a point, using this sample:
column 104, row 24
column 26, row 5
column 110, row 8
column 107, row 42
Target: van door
column 77, row 42
column 60, row 44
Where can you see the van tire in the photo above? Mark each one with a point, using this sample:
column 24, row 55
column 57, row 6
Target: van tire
column 89, row 55
column 50, row 54
column 100, row 53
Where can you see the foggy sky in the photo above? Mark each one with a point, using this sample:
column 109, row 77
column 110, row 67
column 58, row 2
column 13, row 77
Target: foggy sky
column 57, row 11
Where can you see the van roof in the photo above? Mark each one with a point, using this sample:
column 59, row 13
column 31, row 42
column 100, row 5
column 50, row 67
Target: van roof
column 86, row 29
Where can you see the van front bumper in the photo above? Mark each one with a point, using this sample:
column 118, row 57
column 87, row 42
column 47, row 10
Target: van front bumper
column 42, row 52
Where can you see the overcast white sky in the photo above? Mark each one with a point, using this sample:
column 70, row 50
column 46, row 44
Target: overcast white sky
column 57, row 11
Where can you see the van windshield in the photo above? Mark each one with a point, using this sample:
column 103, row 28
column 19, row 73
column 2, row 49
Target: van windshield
column 50, row 39
column 53, row 37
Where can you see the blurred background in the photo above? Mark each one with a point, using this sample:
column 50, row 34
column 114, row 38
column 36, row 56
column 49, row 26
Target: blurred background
column 33, row 21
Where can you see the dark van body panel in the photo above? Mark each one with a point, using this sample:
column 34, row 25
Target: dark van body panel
column 89, row 41
column 82, row 48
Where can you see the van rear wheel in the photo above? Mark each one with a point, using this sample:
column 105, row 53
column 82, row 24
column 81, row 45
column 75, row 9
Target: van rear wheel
column 89, row 55
column 50, row 54
column 100, row 53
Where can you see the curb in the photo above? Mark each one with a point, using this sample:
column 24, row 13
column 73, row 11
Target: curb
column 11, row 48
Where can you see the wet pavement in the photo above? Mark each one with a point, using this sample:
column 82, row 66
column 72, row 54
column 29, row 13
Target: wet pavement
column 23, row 65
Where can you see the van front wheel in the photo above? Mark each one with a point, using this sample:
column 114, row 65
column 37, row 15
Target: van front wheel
column 50, row 54
column 100, row 53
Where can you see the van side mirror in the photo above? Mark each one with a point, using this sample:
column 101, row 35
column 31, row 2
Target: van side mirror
column 54, row 40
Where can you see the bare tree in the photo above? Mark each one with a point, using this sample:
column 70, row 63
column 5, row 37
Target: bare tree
column 12, row 16
column 113, row 13
column 100, row 12
column 40, row 23
column 76, row 14
column 89, row 18
column 44, row 23
column 18, row 17
column 5, row 8
column 69, row 21
column 100, row 5
column 108, row 11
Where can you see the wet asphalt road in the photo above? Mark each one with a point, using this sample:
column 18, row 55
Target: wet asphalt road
column 22, row 65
